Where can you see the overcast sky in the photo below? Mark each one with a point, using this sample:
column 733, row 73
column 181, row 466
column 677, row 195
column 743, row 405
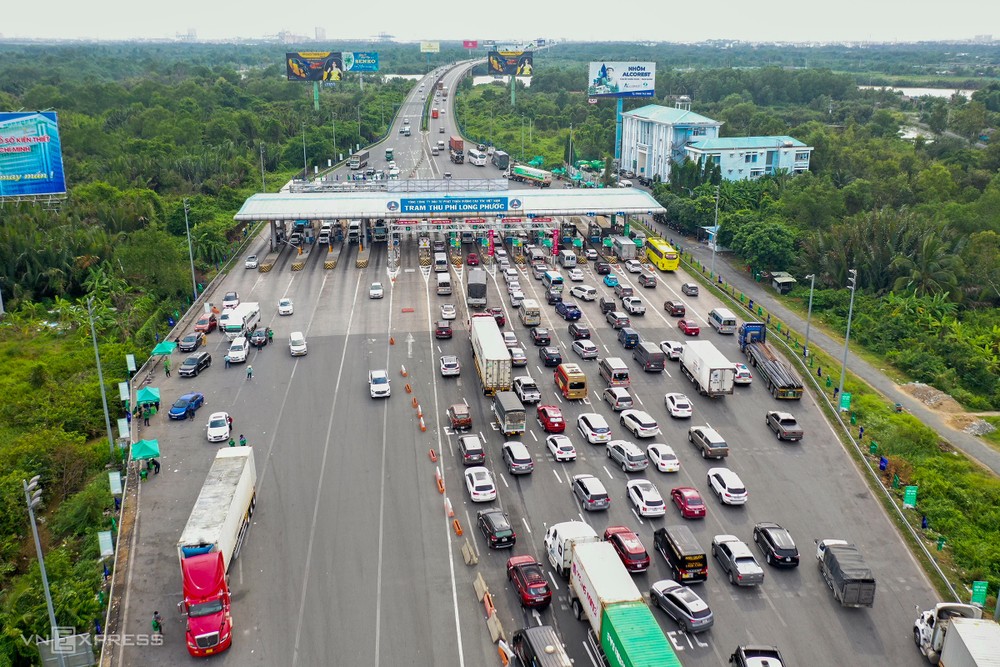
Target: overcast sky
column 590, row 20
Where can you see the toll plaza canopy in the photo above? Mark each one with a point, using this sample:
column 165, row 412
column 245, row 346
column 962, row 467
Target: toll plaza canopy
column 448, row 202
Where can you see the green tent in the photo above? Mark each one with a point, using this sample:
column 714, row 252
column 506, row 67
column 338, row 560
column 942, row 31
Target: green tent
column 166, row 347
column 559, row 171
column 145, row 449
column 537, row 161
column 147, row 395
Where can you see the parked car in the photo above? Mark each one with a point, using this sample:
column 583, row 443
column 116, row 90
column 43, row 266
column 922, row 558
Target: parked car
column 258, row 338
column 206, row 323
column 195, row 364
column 191, row 342
column 186, row 403
column 217, row 429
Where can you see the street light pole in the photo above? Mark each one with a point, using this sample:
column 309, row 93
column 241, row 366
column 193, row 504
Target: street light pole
column 853, row 280
column 812, row 286
column 263, row 185
column 335, row 137
column 194, row 282
column 33, row 497
column 715, row 234
column 305, row 165
column 100, row 378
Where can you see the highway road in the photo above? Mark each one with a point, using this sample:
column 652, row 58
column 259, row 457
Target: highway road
column 351, row 557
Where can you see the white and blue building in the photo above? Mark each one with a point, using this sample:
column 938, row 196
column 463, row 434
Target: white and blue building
column 655, row 137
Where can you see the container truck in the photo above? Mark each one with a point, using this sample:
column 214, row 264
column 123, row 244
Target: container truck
column 476, row 289
column 358, row 160
column 490, row 355
column 707, row 368
column 380, row 230
column 956, row 635
column 777, row 374
column 208, row 545
column 846, row 573
column 456, row 149
column 624, row 247
column 602, row 592
column 501, row 160
column 525, row 174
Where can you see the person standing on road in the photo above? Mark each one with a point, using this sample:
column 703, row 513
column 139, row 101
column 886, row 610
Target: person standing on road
column 229, row 420
column 145, row 416
column 190, row 412
column 166, row 367
column 243, row 440
column 270, row 335
column 249, row 372
column 232, row 443
column 157, row 623
column 227, row 361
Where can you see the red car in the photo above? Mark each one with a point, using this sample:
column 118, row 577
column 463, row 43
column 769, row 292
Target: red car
column 550, row 419
column 498, row 315
column 472, row 259
column 634, row 556
column 529, row 581
column 442, row 329
column 206, row 324
column 689, row 327
column 689, row 502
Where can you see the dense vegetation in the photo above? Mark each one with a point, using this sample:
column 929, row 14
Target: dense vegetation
column 146, row 127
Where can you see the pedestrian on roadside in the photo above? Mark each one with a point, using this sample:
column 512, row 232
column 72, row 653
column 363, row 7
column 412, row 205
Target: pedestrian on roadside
column 145, row 417
column 227, row 361
column 166, row 367
column 836, row 390
column 249, row 372
column 128, row 416
column 819, row 371
column 243, row 441
column 232, row 443
column 157, row 623
column 190, row 412
column 156, row 466
column 229, row 420
column 861, row 432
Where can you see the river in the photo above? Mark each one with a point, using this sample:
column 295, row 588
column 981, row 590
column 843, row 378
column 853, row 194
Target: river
column 920, row 92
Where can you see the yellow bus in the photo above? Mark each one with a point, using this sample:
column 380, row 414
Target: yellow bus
column 571, row 381
column 662, row 255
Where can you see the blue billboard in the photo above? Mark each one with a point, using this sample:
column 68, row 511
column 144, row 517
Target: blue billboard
column 360, row 61
column 30, row 154
column 459, row 205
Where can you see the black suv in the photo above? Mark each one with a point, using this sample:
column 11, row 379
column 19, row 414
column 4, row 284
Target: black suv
column 195, row 364
column 553, row 297
column 607, row 305
column 777, row 545
column 578, row 331
column 540, row 336
column 496, row 528
column 602, row 268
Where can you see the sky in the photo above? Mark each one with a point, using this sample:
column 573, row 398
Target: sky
column 579, row 20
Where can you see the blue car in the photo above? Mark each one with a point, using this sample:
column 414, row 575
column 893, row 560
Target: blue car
column 568, row 311
column 611, row 280
column 180, row 407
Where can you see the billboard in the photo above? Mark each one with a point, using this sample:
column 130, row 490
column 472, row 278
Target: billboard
column 430, row 47
column 621, row 79
column 30, row 154
column 470, row 44
column 328, row 65
column 517, row 63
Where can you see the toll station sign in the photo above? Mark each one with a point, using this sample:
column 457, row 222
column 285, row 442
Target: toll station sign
column 454, row 205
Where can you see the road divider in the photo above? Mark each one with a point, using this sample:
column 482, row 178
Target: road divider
column 423, row 426
column 402, row 371
column 414, row 400
column 457, row 526
column 448, row 508
column 433, row 455
column 439, row 479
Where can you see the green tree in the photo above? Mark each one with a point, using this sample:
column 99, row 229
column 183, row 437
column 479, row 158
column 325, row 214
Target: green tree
column 768, row 245
column 932, row 269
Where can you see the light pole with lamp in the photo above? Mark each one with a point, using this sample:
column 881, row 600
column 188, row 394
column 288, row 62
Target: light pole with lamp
column 812, row 286
column 100, row 378
column 522, row 138
column 335, row 137
column 853, row 280
column 715, row 234
column 33, row 497
column 305, row 164
column 263, row 184
column 187, row 228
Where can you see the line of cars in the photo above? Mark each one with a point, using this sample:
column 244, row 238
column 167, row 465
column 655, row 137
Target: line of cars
column 642, row 494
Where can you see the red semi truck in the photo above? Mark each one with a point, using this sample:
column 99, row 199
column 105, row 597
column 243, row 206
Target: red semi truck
column 210, row 541
column 456, row 146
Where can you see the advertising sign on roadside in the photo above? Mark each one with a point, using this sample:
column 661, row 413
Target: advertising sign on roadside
column 328, row 65
column 470, row 44
column 621, row 79
column 30, row 154
column 360, row 61
column 510, row 63
column 430, row 47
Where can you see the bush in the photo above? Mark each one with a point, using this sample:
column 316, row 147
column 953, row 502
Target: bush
column 84, row 512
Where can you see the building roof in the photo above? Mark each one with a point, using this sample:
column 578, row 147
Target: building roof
column 746, row 143
column 438, row 204
column 670, row 115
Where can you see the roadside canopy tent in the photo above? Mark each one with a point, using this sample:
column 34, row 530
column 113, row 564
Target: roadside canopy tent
column 166, row 347
column 147, row 395
column 145, row 449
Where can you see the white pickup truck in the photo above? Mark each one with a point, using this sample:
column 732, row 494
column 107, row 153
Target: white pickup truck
column 527, row 390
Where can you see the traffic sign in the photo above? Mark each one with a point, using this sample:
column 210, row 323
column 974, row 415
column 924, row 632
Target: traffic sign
column 845, row 401
column 910, row 497
column 979, row 589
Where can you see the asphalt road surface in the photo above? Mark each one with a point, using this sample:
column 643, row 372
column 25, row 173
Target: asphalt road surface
column 351, row 558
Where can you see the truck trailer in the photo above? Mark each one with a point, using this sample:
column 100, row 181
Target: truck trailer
column 707, row 368
column 358, row 160
column 456, row 149
column 210, row 542
column 956, row 635
column 622, row 627
column 777, row 374
column 490, row 355
column 525, row 174
column 476, row 289
column 846, row 573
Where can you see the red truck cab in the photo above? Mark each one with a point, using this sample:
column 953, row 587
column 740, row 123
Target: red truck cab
column 206, row 604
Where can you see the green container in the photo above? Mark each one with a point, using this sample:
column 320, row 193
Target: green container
column 631, row 637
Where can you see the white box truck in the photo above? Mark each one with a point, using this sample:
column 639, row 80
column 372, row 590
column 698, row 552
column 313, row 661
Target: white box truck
column 490, row 354
column 561, row 538
column 707, row 368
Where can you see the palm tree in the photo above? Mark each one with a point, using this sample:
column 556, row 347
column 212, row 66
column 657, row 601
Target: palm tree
column 932, row 269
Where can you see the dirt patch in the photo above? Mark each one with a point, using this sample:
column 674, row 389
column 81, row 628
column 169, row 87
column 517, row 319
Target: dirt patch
column 958, row 418
column 933, row 398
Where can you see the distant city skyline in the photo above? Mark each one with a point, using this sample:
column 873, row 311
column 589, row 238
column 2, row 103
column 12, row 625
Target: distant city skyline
column 585, row 20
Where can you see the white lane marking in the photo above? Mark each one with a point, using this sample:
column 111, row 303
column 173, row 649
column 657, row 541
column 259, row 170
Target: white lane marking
column 504, row 478
column 526, row 526
column 636, row 397
column 533, row 435
column 552, row 578
column 556, row 473
column 610, row 476
column 638, row 518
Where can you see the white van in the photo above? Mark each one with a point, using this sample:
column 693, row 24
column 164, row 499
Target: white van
column 238, row 350
column 444, row 284
column 615, row 372
column 440, row 262
column 722, row 320
column 567, row 258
